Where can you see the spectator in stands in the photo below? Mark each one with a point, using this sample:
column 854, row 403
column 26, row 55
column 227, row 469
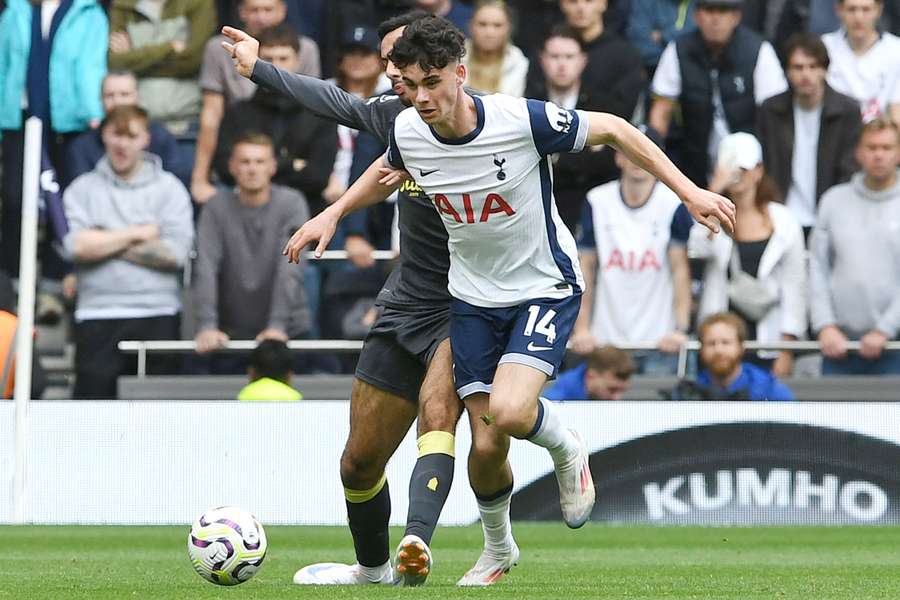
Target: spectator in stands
column 722, row 337
column 855, row 260
column 759, row 274
column 243, row 289
column 8, row 328
column 455, row 11
column 805, row 16
column 270, row 374
column 120, row 88
column 653, row 24
column 130, row 232
column 633, row 251
column 359, row 73
column 222, row 86
column 67, row 39
column 603, row 376
column 494, row 63
column 305, row 144
column 865, row 63
column 719, row 75
column 563, row 62
column 808, row 133
column 162, row 43
column 614, row 84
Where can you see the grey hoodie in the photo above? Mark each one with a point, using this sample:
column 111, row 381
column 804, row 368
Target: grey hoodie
column 855, row 259
column 115, row 288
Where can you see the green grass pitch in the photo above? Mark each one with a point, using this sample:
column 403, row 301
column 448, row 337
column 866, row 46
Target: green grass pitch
column 99, row 563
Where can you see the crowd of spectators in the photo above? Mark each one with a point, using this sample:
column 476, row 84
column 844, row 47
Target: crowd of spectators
column 167, row 158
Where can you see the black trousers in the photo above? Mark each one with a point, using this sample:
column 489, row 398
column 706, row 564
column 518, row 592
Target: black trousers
column 98, row 362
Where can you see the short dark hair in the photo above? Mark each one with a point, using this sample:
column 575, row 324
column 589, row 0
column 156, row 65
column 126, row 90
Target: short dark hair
column 279, row 35
column 727, row 318
column 272, row 359
column 121, row 117
column 810, row 44
column 400, row 21
column 610, row 358
column 431, row 42
column 563, row 30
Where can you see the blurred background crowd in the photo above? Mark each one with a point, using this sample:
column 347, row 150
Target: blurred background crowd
column 177, row 181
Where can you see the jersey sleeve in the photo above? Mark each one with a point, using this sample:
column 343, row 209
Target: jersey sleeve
column 393, row 152
column 586, row 238
column 680, row 230
column 556, row 129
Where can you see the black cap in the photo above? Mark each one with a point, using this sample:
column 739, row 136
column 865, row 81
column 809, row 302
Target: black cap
column 736, row 4
column 361, row 37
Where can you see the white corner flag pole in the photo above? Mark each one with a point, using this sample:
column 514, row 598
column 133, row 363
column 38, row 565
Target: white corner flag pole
column 25, row 326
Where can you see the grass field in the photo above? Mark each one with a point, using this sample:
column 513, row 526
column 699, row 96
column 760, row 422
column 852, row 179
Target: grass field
column 100, row 563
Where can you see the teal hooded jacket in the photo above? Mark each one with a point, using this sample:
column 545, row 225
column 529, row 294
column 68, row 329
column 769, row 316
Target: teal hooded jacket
column 77, row 64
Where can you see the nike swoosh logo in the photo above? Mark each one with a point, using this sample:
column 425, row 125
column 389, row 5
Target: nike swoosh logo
column 532, row 348
column 424, row 173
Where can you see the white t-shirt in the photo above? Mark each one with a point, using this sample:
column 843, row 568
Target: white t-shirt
column 801, row 198
column 768, row 80
column 633, row 299
column 873, row 78
column 494, row 191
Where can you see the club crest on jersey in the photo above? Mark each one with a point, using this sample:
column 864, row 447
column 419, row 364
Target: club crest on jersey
column 498, row 162
column 493, row 204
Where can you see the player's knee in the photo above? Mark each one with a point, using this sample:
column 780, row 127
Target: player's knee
column 439, row 415
column 360, row 471
column 487, row 452
column 510, row 418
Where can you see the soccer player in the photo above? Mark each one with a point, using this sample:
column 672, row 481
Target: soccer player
column 405, row 360
column 514, row 273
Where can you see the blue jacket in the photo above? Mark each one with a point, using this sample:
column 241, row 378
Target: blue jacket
column 759, row 384
column 87, row 149
column 569, row 385
column 670, row 17
column 77, row 65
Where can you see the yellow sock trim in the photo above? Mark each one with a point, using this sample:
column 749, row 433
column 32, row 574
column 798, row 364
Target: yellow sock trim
column 437, row 442
column 360, row 496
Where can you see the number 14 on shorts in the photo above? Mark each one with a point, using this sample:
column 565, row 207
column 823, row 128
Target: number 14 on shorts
column 540, row 325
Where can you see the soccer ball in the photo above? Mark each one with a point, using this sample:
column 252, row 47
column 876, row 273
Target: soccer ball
column 227, row 545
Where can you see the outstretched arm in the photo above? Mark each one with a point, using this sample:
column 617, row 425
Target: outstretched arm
column 369, row 189
column 706, row 207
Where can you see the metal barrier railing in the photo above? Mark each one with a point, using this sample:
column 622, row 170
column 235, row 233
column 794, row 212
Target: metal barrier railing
column 142, row 348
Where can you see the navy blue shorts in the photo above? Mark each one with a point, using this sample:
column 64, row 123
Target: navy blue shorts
column 534, row 333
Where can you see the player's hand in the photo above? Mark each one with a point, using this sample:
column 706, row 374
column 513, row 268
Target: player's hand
column 270, row 333
column 359, row 251
column 833, row 342
column 391, row 177
column 119, row 42
column 209, row 340
column 872, row 344
column 202, row 191
column 671, row 342
column 710, row 209
column 244, row 50
column 318, row 229
column 583, row 341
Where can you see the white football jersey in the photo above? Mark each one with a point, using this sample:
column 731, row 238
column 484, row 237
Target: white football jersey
column 494, row 191
column 633, row 290
column 873, row 78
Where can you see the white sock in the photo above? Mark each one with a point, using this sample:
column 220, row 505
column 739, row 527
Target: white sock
column 549, row 433
column 496, row 524
column 375, row 574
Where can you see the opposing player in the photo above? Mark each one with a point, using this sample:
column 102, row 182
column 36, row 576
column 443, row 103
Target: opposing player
column 514, row 273
column 405, row 359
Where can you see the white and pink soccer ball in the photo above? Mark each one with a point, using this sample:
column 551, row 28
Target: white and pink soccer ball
column 227, row 545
